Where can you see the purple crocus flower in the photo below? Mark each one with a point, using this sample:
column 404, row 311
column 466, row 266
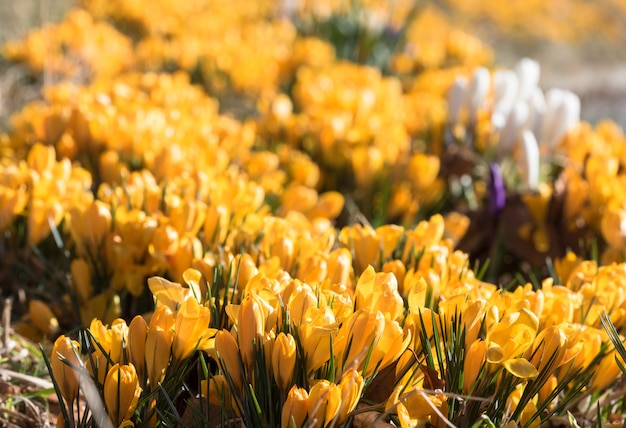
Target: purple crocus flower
column 497, row 191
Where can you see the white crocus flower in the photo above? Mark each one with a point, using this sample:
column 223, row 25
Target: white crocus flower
column 528, row 72
column 537, row 109
column 512, row 128
column 477, row 92
column 562, row 113
column 505, row 89
column 530, row 161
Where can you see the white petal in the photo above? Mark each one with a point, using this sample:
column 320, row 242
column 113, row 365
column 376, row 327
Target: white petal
column 505, row 88
column 477, row 91
column 514, row 124
column 530, row 162
column 528, row 71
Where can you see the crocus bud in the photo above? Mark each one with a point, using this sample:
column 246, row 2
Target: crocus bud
column 563, row 112
column 339, row 266
column 351, row 386
column 228, row 353
column 505, row 89
column 300, row 300
column 136, row 346
column 81, row 280
column 284, row 360
column 537, row 106
column 295, row 409
column 474, row 361
column 516, row 120
column 324, row 403
column 159, row 344
column 528, row 72
column 530, row 162
column 316, row 336
column 251, row 324
column 121, row 392
column 43, row 317
column 367, row 164
column 358, row 336
column 613, row 227
column 65, row 377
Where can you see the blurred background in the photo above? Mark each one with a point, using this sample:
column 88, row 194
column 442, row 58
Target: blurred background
column 579, row 44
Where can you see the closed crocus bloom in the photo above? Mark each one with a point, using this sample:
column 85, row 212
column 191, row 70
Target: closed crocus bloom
column 192, row 328
column 251, row 326
column 548, row 349
column 299, row 303
column 187, row 215
column 164, row 243
column 530, row 160
column 379, row 291
column 189, row 249
column 613, row 226
column 159, row 344
column 284, row 248
column 357, row 336
column 329, row 205
column 339, row 266
column 97, row 225
column 351, row 385
column 422, row 171
column 367, row 163
column 81, row 280
column 41, row 158
column 389, row 348
column 565, row 265
column 228, row 353
column 364, row 244
column 121, row 392
column 324, row 403
column 64, row 376
column 606, row 373
column 215, row 227
column 98, row 365
column 284, row 360
column 397, row 268
column 245, row 269
column 295, row 409
column 42, row 317
column 313, row 269
column 315, row 336
column 474, row 360
column 136, row 345
column 217, row 391
column 389, row 236
column 299, row 198
column 41, row 215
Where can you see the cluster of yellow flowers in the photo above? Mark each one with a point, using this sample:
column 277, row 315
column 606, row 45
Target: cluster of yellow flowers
column 78, row 48
column 316, row 340
column 281, row 264
column 161, row 193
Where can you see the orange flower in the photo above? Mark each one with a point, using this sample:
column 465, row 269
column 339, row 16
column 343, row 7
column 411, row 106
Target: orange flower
column 65, row 377
column 121, row 392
